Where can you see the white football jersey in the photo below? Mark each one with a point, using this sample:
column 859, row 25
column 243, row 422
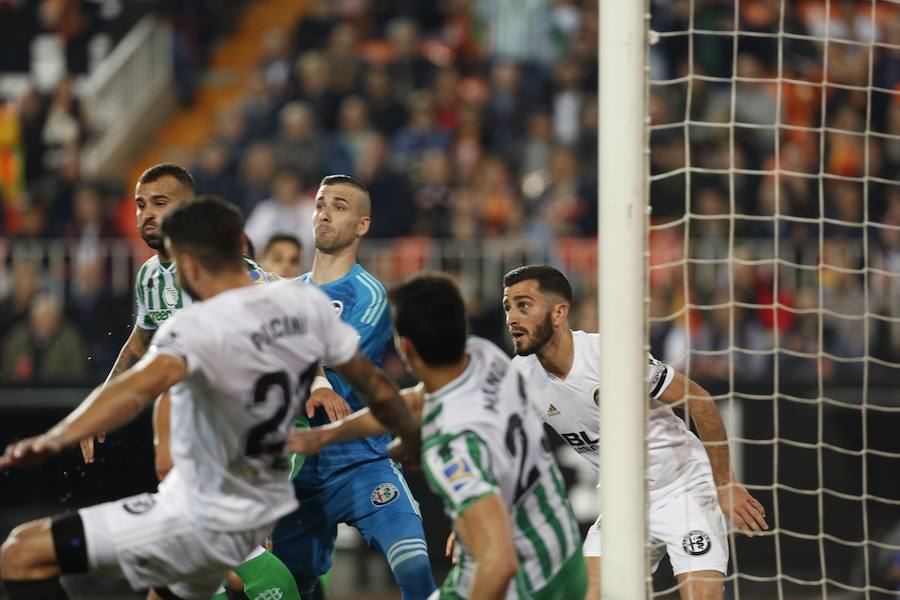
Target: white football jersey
column 481, row 436
column 251, row 354
column 677, row 460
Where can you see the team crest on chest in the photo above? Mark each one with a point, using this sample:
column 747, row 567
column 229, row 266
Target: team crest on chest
column 384, row 493
column 170, row 296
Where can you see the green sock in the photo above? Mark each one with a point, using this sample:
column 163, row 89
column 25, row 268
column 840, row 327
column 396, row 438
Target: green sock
column 323, row 581
column 265, row 576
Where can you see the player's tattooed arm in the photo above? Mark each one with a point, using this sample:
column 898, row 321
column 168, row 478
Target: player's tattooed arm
column 380, row 395
column 738, row 505
column 133, row 350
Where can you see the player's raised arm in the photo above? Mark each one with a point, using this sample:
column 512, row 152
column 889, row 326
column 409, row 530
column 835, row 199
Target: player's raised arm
column 380, row 394
column 742, row 509
column 132, row 351
column 107, row 407
column 358, row 425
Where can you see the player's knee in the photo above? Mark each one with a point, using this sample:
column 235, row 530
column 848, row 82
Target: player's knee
column 16, row 553
column 408, row 559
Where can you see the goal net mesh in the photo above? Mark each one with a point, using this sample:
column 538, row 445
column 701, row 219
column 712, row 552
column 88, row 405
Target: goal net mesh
column 775, row 271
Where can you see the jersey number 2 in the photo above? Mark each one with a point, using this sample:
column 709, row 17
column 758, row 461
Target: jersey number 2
column 260, row 440
column 515, row 431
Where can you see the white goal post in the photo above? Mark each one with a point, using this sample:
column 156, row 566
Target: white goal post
column 622, row 264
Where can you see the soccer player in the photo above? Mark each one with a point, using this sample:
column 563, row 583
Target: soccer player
column 691, row 483
column 158, row 296
column 240, row 366
column 281, row 255
column 483, row 452
column 354, row 482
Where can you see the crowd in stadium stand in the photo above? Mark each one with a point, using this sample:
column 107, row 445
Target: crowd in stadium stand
column 478, row 121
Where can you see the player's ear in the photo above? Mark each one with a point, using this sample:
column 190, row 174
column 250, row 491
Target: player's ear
column 363, row 227
column 560, row 313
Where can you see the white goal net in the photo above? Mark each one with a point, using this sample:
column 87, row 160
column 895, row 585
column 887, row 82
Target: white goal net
column 775, row 271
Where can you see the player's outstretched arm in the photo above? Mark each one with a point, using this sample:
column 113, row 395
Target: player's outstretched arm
column 358, row 425
column 380, row 394
column 132, row 351
column 742, row 509
column 485, row 530
column 107, row 407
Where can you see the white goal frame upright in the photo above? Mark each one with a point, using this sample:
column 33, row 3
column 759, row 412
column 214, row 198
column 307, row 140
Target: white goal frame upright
column 622, row 294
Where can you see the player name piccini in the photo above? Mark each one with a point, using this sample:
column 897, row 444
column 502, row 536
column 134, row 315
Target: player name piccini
column 278, row 328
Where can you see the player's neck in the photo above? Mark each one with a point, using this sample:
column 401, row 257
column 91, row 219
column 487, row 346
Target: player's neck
column 223, row 283
column 436, row 378
column 163, row 256
column 331, row 267
column 558, row 354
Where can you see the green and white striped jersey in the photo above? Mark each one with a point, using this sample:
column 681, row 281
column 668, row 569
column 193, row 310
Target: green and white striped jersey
column 157, row 293
column 481, row 435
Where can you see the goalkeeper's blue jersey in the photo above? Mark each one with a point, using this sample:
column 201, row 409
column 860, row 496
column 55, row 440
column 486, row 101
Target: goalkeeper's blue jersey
column 360, row 300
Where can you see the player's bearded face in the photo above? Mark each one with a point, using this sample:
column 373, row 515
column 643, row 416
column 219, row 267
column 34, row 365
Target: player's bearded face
column 534, row 339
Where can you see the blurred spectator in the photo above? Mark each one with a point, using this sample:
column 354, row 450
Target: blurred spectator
column 299, row 145
column 505, row 110
column 255, row 176
column 343, row 60
column 418, row 137
column 32, row 113
column 281, row 255
column 567, row 102
column 212, row 172
column 288, row 209
column 316, row 25
column 103, row 318
column 25, row 277
column 44, row 347
column 315, row 88
column 258, row 107
column 63, row 125
column 91, row 223
column 434, row 196
column 392, row 202
column 275, row 65
column 409, row 70
column 387, row 114
column 348, row 143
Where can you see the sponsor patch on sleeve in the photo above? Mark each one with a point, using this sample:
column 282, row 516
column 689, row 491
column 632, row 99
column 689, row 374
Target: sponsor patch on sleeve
column 458, row 472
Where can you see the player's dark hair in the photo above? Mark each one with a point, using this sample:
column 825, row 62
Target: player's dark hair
column 428, row 309
column 346, row 180
column 550, row 280
column 282, row 237
column 157, row 172
column 209, row 229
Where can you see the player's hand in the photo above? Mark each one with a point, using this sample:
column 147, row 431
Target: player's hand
column 743, row 510
column 448, row 549
column 335, row 407
column 87, row 447
column 307, row 441
column 30, row 451
column 407, row 452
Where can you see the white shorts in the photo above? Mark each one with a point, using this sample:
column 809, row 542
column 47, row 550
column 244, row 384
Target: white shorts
column 691, row 528
column 153, row 545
